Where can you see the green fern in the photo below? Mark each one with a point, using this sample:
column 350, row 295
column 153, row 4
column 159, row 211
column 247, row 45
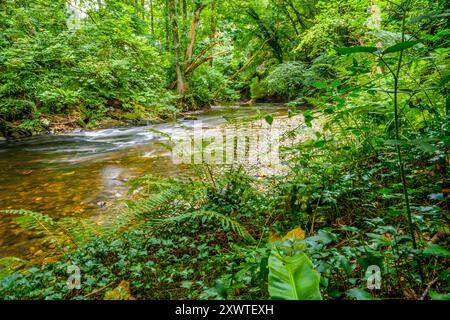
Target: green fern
column 72, row 230
column 12, row 265
column 139, row 211
column 81, row 230
column 165, row 195
column 151, row 183
column 207, row 216
column 155, row 201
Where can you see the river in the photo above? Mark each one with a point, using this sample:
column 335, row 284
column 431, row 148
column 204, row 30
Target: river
column 84, row 173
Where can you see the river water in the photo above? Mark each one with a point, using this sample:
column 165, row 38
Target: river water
column 84, row 173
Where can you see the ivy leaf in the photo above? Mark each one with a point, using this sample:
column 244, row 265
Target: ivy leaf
column 401, row 46
column 356, row 49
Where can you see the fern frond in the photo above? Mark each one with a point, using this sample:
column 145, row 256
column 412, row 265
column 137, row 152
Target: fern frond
column 31, row 220
column 154, row 202
column 80, row 230
column 59, row 231
column 140, row 210
column 207, row 216
column 12, row 265
column 151, row 183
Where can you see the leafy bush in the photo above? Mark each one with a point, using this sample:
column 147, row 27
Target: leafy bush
column 93, row 68
column 208, row 85
column 287, row 80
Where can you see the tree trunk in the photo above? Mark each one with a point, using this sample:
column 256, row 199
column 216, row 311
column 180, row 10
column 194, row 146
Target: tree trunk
column 213, row 33
column 143, row 9
column 183, row 9
column 192, row 35
column 181, row 83
column 268, row 34
column 167, row 26
column 297, row 14
column 152, row 18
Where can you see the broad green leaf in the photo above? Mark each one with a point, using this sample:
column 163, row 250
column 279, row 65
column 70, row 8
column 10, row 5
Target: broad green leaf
column 401, row 46
column 379, row 239
column 359, row 294
column 293, row 278
column 335, row 84
column 439, row 296
column 350, row 229
column 320, row 144
column 436, row 196
column 269, row 119
column 356, row 49
column 430, row 15
column 436, row 250
column 297, row 233
column 424, row 145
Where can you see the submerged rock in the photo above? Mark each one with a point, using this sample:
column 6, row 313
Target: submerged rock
column 138, row 190
column 101, row 204
column 38, row 253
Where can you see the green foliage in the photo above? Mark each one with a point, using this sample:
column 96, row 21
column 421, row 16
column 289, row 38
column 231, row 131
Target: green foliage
column 209, row 85
column 293, row 277
column 206, row 216
column 64, row 232
column 287, row 80
column 12, row 265
column 93, row 68
column 369, row 186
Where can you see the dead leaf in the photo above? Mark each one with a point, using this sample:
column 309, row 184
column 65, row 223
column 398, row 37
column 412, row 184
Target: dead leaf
column 297, row 233
column 122, row 292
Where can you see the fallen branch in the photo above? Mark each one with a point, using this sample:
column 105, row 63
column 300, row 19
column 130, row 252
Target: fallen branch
column 425, row 293
column 99, row 290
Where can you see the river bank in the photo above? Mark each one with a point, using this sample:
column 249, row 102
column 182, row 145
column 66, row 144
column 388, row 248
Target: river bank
column 54, row 124
column 63, row 124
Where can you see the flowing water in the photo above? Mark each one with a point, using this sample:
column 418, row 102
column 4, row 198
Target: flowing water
column 84, row 173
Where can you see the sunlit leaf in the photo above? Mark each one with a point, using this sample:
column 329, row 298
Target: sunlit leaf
column 269, row 119
column 293, row 278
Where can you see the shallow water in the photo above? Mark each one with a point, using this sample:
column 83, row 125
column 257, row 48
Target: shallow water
column 71, row 174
